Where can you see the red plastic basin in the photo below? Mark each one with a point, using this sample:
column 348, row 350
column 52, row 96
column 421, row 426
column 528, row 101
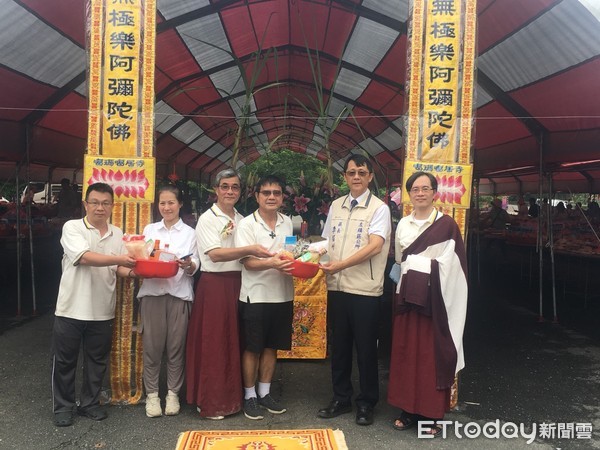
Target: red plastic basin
column 151, row 268
column 304, row 269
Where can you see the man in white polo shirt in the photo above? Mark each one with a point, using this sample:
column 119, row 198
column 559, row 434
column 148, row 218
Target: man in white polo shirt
column 85, row 308
column 266, row 297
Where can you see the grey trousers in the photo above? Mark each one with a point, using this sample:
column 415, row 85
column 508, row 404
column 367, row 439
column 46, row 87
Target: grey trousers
column 67, row 337
column 164, row 330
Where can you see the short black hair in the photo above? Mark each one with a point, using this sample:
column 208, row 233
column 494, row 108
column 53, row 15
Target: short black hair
column 414, row 176
column 171, row 188
column 359, row 160
column 269, row 179
column 99, row 187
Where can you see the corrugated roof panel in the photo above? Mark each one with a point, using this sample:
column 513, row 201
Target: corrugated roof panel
column 215, row 150
column 370, row 146
column 227, row 81
column 335, row 109
column 237, row 105
column 33, row 48
column 369, row 42
column 313, row 148
column 593, row 6
column 396, row 9
column 165, row 117
column 187, row 132
column 561, row 38
column 318, row 137
column 481, row 97
column 82, row 88
column 202, row 143
column 390, row 139
column 198, row 34
column 175, row 8
column 350, row 84
column 226, row 156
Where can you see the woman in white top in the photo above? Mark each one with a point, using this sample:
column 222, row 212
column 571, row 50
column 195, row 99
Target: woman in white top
column 213, row 370
column 166, row 303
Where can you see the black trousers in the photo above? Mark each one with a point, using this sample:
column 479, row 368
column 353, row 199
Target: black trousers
column 354, row 321
column 67, row 335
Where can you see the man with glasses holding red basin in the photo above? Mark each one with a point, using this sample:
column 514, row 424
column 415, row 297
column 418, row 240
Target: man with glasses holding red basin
column 266, row 298
column 213, row 368
column 94, row 254
column 358, row 230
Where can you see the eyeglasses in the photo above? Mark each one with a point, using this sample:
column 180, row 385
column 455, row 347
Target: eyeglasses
column 273, row 193
column 361, row 173
column 232, row 188
column 95, row 204
column 424, row 190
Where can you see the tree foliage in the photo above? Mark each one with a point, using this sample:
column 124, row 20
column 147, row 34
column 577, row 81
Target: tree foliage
column 288, row 165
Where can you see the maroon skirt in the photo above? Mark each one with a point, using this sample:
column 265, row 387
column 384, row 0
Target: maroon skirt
column 213, row 361
column 412, row 385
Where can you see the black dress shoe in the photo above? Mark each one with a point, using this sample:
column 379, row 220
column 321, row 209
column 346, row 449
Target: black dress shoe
column 364, row 415
column 334, row 409
column 94, row 413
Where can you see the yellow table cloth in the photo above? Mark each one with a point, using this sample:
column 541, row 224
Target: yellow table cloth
column 309, row 338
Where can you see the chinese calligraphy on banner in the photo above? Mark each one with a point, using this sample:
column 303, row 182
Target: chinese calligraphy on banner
column 121, row 84
column 131, row 178
column 440, row 104
column 121, row 57
column 454, row 181
column 440, row 97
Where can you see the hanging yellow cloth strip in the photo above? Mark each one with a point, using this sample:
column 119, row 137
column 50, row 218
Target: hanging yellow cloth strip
column 440, row 80
column 120, row 151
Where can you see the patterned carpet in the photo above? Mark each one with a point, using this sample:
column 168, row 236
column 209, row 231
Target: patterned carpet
column 262, row 440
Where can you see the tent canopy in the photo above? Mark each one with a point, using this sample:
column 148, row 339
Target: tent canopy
column 537, row 77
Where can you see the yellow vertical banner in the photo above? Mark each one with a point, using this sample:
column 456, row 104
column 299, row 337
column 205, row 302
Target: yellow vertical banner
column 440, row 81
column 440, row 97
column 121, row 81
column 440, row 89
column 120, row 149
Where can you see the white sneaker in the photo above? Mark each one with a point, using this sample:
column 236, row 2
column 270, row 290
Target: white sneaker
column 153, row 408
column 210, row 417
column 172, row 406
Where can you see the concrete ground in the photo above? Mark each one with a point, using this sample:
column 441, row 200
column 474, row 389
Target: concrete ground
column 518, row 371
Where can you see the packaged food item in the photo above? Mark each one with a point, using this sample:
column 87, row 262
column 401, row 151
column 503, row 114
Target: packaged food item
column 136, row 246
column 163, row 254
column 167, row 256
column 311, row 257
column 290, row 244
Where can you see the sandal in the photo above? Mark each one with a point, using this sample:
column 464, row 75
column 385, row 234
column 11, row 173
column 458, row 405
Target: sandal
column 433, row 431
column 406, row 422
column 63, row 419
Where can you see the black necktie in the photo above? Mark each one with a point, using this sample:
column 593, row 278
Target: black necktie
column 353, row 203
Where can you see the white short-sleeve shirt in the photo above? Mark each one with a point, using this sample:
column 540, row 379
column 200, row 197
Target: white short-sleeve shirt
column 409, row 229
column 181, row 240
column 87, row 292
column 212, row 232
column 264, row 286
column 380, row 224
